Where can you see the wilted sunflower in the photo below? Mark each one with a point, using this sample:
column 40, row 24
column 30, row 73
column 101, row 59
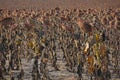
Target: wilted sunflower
column 86, row 27
column 103, row 50
column 7, row 21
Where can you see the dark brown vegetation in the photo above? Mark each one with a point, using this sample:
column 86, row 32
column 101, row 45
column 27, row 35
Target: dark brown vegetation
column 40, row 34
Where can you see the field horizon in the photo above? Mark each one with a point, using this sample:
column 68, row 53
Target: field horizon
column 48, row 4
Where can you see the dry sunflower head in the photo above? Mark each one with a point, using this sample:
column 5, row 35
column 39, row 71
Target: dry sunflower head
column 86, row 27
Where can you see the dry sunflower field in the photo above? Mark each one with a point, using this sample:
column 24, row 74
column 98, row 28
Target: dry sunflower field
column 60, row 44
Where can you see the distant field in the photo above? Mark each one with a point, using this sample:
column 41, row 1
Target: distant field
column 40, row 4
